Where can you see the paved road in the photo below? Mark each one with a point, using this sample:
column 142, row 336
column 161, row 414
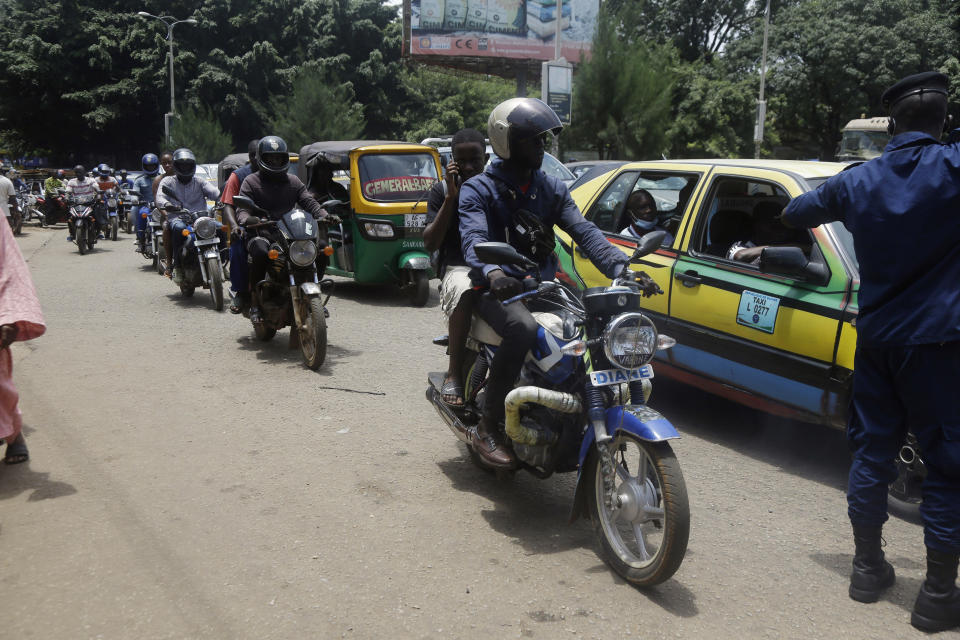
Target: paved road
column 189, row 482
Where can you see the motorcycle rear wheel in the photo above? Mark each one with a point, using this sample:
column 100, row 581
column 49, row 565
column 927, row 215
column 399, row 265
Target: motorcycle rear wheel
column 644, row 539
column 159, row 262
column 313, row 335
column 216, row 283
column 19, row 226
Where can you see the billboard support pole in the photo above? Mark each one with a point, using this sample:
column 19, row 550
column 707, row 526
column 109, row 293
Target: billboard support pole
column 522, row 82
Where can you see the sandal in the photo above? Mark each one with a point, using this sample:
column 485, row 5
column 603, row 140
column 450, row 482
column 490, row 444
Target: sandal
column 16, row 452
column 451, row 389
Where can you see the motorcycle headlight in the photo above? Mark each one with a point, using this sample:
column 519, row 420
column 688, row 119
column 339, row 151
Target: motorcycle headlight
column 205, row 227
column 630, row 340
column 111, row 202
column 156, row 216
column 303, row 252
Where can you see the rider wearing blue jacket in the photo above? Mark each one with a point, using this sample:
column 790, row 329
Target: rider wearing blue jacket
column 143, row 185
column 514, row 201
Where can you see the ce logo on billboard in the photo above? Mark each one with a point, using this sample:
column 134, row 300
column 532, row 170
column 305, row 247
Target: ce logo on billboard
column 463, row 43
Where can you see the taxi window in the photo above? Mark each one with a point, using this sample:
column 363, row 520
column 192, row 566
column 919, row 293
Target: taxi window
column 741, row 213
column 396, row 177
column 608, row 209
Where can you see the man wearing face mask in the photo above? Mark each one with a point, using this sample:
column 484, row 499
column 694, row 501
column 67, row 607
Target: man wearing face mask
column 514, row 201
column 190, row 193
column 272, row 188
column 642, row 210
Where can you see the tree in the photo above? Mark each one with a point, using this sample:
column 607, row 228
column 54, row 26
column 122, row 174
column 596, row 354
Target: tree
column 441, row 102
column 318, row 108
column 199, row 130
column 622, row 95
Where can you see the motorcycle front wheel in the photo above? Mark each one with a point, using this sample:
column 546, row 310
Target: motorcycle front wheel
column 263, row 332
column 643, row 537
column 82, row 239
column 216, row 283
column 313, row 333
column 419, row 288
column 114, row 227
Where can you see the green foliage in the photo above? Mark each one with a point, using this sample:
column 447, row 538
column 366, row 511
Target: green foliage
column 440, row 102
column 318, row 108
column 199, row 130
column 621, row 110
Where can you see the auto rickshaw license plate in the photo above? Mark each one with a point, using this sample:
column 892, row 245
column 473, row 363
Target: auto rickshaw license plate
column 414, row 219
column 618, row 376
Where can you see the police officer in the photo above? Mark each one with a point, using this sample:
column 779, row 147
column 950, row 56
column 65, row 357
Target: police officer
column 514, row 201
column 907, row 365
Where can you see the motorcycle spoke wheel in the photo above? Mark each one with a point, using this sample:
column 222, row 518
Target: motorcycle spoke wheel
column 216, row 283
column 644, row 535
column 313, row 333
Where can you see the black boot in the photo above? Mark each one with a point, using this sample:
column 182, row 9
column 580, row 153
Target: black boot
column 938, row 604
column 871, row 572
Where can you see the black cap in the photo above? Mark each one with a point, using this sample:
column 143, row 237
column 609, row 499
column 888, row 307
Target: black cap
column 918, row 83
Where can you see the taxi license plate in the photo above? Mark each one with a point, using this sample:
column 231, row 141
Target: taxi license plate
column 414, row 219
column 618, row 376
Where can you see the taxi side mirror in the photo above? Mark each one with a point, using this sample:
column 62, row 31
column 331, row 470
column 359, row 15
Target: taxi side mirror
column 791, row 262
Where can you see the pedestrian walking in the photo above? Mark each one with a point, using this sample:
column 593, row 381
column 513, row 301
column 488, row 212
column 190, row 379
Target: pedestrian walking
column 20, row 319
column 903, row 210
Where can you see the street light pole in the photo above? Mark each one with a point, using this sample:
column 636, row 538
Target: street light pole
column 761, row 103
column 171, row 23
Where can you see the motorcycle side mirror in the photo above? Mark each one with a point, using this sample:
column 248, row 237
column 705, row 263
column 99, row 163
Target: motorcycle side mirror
column 502, row 253
column 649, row 243
column 243, row 202
column 333, row 203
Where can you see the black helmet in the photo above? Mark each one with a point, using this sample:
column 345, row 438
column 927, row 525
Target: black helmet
column 519, row 119
column 184, row 164
column 150, row 164
column 80, row 170
column 103, row 170
column 272, row 155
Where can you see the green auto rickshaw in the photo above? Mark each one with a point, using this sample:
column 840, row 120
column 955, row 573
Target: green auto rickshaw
column 383, row 187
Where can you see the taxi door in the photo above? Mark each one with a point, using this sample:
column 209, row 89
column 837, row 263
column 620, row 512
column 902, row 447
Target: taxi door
column 771, row 337
column 675, row 189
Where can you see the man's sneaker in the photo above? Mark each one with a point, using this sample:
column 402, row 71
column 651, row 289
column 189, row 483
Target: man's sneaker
column 100, row 236
column 69, row 238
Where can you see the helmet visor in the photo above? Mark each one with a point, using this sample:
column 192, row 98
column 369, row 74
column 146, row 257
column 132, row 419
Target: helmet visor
column 185, row 167
column 277, row 161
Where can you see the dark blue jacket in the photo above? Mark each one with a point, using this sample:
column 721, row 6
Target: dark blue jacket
column 903, row 210
column 485, row 214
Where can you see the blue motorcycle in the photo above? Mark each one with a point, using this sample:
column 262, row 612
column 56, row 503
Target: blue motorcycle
column 580, row 404
column 111, row 206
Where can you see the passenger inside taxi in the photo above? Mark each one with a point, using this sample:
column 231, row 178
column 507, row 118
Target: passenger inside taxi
column 641, row 212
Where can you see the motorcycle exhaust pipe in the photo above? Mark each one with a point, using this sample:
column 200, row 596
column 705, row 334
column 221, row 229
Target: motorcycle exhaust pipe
column 516, row 399
column 459, row 429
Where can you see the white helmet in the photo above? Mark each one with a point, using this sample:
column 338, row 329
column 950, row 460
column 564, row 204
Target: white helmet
column 519, row 119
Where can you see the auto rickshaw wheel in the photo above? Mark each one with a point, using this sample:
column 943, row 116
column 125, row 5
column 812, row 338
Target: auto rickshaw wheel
column 419, row 288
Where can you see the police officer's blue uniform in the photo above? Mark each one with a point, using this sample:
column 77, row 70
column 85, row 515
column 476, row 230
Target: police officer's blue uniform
column 903, row 210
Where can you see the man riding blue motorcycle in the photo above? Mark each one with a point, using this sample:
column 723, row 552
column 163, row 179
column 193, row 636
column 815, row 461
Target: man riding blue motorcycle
column 150, row 164
column 514, row 201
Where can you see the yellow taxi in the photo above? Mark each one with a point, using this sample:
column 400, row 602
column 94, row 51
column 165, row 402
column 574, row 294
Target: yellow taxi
column 778, row 335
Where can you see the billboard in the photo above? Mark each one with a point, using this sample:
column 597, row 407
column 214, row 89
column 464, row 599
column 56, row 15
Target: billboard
column 517, row 29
